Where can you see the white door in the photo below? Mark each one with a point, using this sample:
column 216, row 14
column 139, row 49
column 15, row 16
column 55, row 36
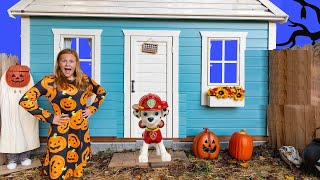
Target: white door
column 151, row 73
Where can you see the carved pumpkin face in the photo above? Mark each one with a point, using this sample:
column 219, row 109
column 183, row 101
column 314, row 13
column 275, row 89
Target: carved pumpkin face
column 83, row 98
column 68, row 104
column 51, row 94
column 56, row 109
column 46, row 80
column 78, row 171
column 45, row 113
column 76, row 120
column 29, row 105
column 18, row 76
column 87, row 137
column 100, row 90
column 32, row 94
column 86, row 154
column 71, row 90
column 72, row 156
column 56, row 166
column 73, row 140
column 206, row 145
column 63, row 128
column 57, row 143
column 84, row 125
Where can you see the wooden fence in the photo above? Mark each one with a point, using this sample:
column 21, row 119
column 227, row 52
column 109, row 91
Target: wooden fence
column 294, row 96
column 5, row 62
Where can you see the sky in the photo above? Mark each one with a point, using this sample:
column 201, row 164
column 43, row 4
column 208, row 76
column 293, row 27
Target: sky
column 10, row 28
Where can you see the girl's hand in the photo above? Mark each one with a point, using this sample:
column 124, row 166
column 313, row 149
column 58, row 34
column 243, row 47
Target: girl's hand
column 86, row 113
column 60, row 120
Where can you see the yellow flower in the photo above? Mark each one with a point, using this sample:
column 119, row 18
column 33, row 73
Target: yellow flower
column 221, row 93
column 239, row 95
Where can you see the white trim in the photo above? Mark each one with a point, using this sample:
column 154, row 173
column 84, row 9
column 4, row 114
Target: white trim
column 272, row 40
column 275, row 10
column 94, row 34
column 206, row 36
column 20, row 5
column 25, row 40
column 127, row 59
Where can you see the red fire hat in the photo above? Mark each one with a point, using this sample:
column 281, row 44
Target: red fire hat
column 150, row 102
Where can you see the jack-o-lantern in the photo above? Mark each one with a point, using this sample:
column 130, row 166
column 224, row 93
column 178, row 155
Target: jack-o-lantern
column 84, row 125
column 51, row 94
column 68, row 104
column 72, row 156
column 56, row 166
column 76, row 119
column 57, row 143
column 29, row 105
column 78, row 171
column 56, row 109
column 40, row 117
column 241, row 145
column 206, row 145
column 18, row 76
column 71, row 90
column 86, row 137
column 92, row 109
column 45, row 113
column 46, row 80
column 73, row 140
column 68, row 174
column 100, row 90
column 83, row 98
column 32, row 94
column 86, row 154
column 63, row 128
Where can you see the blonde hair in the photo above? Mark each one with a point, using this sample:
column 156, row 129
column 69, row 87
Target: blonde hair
column 61, row 81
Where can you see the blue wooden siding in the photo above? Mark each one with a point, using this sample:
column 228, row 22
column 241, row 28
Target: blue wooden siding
column 108, row 121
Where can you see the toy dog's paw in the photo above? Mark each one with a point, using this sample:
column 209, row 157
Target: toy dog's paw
column 165, row 157
column 143, row 159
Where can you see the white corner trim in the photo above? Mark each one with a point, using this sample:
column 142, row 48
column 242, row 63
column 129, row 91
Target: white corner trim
column 95, row 34
column 19, row 7
column 206, row 35
column 272, row 40
column 25, row 41
column 175, row 80
column 275, row 10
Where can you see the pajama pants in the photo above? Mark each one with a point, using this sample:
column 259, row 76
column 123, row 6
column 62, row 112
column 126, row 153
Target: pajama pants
column 18, row 157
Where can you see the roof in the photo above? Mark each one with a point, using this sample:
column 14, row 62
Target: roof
column 179, row 9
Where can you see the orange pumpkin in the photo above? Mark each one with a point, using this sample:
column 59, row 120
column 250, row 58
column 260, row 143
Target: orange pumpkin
column 84, row 125
column 76, row 119
column 68, row 104
column 241, row 145
column 51, row 94
column 87, row 137
column 100, row 90
column 32, row 94
column 83, row 98
column 73, row 140
column 40, row 117
column 29, row 105
column 92, row 109
column 68, row 174
column 206, row 145
column 18, row 76
column 78, row 171
column 56, row 109
column 86, row 154
column 46, row 80
column 45, row 113
column 57, row 143
column 72, row 156
column 94, row 83
column 71, row 90
column 63, row 128
column 56, row 166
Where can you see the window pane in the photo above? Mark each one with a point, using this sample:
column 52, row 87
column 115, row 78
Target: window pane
column 231, row 50
column 215, row 73
column 84, row 49
column 216, row 50
column 86, row 68
column 74, row 44
column 230, row 72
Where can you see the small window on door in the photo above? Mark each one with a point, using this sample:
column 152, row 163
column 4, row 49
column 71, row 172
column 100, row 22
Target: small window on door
column 84, row 49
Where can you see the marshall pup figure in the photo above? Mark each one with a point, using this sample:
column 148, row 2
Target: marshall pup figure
column 150, row 109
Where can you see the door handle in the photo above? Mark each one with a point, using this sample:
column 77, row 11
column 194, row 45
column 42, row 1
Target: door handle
column 132, row 85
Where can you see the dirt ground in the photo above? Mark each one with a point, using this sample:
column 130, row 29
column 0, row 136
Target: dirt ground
column 264, row 164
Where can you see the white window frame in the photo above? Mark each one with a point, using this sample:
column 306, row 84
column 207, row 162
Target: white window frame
column 205, row 85
column 94, row 34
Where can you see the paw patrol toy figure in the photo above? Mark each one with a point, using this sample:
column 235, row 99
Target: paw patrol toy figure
column 151, row 109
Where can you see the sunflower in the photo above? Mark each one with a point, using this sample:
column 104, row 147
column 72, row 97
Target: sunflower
column 222, row 93
column 239, row 95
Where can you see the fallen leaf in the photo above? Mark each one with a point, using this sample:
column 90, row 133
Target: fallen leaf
column 289, row 177
column 232, row 162
column 245, row 164
column 261, row 158
column 137, row 177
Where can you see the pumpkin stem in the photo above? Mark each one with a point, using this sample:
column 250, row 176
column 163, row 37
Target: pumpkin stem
column 243, row 131
column 206, row 129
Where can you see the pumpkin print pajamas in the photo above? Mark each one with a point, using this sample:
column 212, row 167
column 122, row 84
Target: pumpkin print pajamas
column 68, row 146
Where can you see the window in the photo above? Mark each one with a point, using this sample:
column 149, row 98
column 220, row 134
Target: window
column 222, row 63
column 87, row 44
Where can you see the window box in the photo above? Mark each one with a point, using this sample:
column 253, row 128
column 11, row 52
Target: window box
column 228, row 102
